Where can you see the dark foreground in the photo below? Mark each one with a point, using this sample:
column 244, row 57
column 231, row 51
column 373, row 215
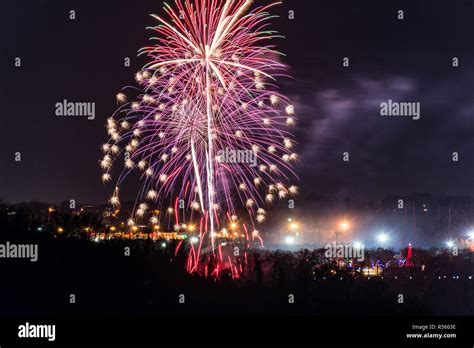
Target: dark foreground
column 151, row 282
column 147, row 297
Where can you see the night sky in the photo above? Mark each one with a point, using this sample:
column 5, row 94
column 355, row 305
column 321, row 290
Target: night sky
column 338, row 108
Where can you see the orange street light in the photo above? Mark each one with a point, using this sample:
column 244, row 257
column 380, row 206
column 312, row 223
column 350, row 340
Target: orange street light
column 344, row 225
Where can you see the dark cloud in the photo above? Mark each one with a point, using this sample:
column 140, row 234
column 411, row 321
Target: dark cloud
column 388, row 154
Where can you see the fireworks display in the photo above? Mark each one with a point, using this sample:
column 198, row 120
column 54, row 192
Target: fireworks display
column 208, row 131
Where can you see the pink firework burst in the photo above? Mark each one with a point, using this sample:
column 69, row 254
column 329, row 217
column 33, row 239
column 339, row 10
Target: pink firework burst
column 209, row 132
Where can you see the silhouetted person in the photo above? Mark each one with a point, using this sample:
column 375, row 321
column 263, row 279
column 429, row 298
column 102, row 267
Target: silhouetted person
column 258, row 269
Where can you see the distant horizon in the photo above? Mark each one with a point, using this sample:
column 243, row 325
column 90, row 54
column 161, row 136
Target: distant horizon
column 358, row 199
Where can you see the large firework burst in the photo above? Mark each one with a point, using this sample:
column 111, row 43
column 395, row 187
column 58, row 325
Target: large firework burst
column 207, row 96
